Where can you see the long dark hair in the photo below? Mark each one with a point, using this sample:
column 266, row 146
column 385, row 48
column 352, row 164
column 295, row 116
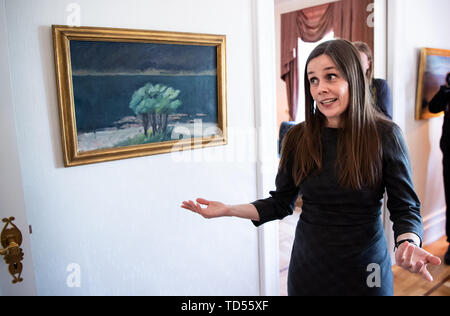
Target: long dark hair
column 359, row 149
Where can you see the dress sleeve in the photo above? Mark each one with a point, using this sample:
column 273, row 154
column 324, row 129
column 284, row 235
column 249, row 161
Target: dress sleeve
column 282, row 200
column 403, row 203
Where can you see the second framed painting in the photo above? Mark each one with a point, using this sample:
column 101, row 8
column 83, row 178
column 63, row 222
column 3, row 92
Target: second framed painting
column 434, row 67
column 128, row 93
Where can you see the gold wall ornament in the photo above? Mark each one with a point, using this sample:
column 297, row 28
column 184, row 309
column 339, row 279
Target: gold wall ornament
column 11, row 240
column 141, row 133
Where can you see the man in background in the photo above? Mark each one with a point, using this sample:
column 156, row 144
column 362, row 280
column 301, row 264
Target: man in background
column 439, row 103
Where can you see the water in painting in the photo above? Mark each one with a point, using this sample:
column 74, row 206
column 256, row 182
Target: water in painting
column 138, row 93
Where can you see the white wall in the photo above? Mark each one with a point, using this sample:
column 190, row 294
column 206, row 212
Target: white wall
column 121, row 221
column 413, row 24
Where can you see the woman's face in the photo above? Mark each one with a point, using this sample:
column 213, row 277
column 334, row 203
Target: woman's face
column 329, row 88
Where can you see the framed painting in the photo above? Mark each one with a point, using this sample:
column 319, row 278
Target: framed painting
column 434, row 66
column 128, row 93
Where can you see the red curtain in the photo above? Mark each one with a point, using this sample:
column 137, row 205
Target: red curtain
column 348, row 20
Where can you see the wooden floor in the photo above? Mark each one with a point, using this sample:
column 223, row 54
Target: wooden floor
column 405, row 283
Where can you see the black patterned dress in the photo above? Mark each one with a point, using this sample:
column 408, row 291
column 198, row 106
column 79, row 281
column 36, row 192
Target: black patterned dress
column 340, row 247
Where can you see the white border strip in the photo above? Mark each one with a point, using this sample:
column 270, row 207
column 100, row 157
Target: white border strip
column 265, row 119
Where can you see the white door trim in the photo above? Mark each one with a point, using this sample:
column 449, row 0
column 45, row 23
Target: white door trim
column 266, row 131
column 11, row 186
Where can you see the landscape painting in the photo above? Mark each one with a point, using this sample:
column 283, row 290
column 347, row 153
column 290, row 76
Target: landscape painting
column 139, row 97
column 434, row 66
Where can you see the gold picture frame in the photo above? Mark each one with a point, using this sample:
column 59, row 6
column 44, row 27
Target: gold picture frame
column 143, row 84
column 434, row 65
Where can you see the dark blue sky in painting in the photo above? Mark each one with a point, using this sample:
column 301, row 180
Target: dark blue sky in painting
column 111, row 57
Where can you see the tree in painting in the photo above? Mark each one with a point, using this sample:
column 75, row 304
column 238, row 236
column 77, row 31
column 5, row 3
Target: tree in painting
column 154, row 103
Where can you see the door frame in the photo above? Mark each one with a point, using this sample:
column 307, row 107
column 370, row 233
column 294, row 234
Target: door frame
column 266, row 131
column 11, row 186
column 265, row 118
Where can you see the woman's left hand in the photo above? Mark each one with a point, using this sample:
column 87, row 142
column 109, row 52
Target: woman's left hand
column 415, row 259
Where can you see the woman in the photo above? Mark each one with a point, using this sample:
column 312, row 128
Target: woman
column 341, row 159
column 381, row 94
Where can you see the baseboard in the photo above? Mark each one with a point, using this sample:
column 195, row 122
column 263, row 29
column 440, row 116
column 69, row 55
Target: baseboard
column 434, row 226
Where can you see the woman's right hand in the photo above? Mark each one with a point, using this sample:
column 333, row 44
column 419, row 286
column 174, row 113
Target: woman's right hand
column 214, row 209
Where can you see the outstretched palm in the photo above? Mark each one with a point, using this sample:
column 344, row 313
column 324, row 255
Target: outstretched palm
column 213, row 209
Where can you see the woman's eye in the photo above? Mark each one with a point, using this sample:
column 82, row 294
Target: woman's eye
column 313, row 80
column 331, row 76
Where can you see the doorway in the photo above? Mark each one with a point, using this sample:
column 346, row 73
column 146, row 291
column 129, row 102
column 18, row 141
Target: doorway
column 377, row 23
